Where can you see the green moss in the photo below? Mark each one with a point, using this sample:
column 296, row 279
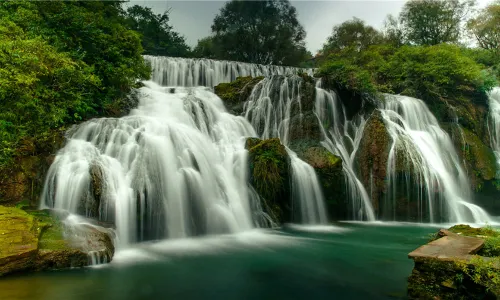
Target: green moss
column 491, row 236
column 269, row 159
column 372, row 155
column 479, row 156
column 235, row 93
column 269, row 166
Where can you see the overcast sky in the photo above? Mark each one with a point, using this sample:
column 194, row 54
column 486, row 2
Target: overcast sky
column 194, row 18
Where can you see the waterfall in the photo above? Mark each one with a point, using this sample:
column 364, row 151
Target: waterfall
column 341, row 137
column 431, row 164
column 174, row 167
column 173, row 71
column 494, row 124
column 270, row 108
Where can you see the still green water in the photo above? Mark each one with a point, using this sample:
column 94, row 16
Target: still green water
column 350, row 261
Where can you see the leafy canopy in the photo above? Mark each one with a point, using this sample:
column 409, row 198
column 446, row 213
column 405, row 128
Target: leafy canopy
column 485, row 27
column 158, row 38
column 353, row 33
column 264, row 32
column 61, row 62
column 432, row 22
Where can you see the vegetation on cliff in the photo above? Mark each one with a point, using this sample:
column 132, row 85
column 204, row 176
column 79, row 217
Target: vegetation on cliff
column 234, row 94
column 37, row 240
column 269, row 166
column 62, row 62
column 451, row 274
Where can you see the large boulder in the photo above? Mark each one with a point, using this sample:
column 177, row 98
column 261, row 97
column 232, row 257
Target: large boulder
column 234, row 94
column 372, row 156
column 23, row 178
column 328, row 168
column 455, row 265
column 269, row 166
column 40, row 240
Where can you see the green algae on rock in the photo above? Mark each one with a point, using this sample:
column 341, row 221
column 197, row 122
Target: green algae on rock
column 269, row 166
column 328, row 168
column 372, row 156
column 447, row 267
column 235, row 93
column 36, row 240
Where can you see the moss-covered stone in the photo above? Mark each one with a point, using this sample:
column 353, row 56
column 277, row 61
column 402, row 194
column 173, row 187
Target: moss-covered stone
column 23, row 179
column 328, row 168
column 37, row 240
column 269, row 166
column 235, row 93
column 479, row 159
column 463, row 277
column 372, row 156
column 491, row 236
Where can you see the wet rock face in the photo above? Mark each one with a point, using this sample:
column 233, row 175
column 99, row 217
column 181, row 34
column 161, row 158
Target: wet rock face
column 328, row 168
column 39, row 240
column 269, row 166
column 235, row 93
column 372, row 156
column 447, row 267
column 23, row 179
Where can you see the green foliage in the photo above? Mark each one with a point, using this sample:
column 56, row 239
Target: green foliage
column 62, row 62
column 353, row 33
column 432, row 22
column 426, row 72
column 206, row 48
column 485, row 28
column 484, row 272
column 264, row 32
column 435, row 72
column 158, row 38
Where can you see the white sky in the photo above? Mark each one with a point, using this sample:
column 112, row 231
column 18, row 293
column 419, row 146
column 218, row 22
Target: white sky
column 194, row 18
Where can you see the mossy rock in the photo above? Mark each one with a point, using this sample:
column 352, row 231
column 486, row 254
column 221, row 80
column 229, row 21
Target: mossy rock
column 235, row 93
column 372, row 156
column 491, row 236
column 454, row 278
column 36, row 240
column 479, row 159
column 328, row 168
column 269, row 166
column 23, row 179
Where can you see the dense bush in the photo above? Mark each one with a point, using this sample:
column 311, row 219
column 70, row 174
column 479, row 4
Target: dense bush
column 61, row 62
column 427, row 72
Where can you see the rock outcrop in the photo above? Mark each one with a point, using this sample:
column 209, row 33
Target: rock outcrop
column 447, row 267
column 328, row 168
column 371, row 158
column 269, row 166
column 23, row 179
column 39, row 240
column 235, row 93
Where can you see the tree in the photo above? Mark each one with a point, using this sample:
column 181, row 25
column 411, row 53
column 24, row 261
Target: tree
column 158, row 38
column 393, row 32
column 486, row 27
column 431, row 22
column 353, row 33
column 62, row 62
column 206, row 49
column 264, row 32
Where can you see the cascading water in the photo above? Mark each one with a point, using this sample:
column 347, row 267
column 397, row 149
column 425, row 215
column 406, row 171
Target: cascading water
column 172, row 71
column 270, row 108
column 494, row 124
column 431, row 164
column 175, row 167
column 341, row 137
